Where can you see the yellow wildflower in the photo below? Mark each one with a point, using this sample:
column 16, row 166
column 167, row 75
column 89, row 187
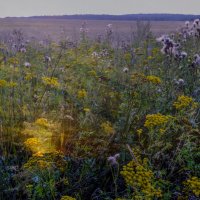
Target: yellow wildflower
column 107, row 127
column 92, row 73
column 156, row 120
column 141, row 179
column 28, row 76
column 193, row 185
column 42, row 122
column 12, row 84
column 51, row 81
column 184, row 102
column 31, row 142
column 38, row 154
column 3, row 83
column 82, row 93
column 86, row 109
column 67, row 198
column 139, row 132
column 153, row 79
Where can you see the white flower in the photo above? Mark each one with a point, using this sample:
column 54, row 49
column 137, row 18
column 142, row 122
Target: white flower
column 113, row 159
column 27, row 64
column 47, row 59
column 187, row 23
column 196, row 21
column 95, row 54
column 125, row 70
column 197, row 59
column 109, row 25
column 181, row 81
column 23, row 50
column 183, row 54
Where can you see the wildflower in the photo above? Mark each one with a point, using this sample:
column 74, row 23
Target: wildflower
column 107, row 127
column 184, row 102
column 31, row 142
column 43, row 164
column 38, row 154
column 92, row 73
column 67, row 198
column 42, row 122
column 141, row 179
column 36, row 179
column 156, row 120
column 139, row 132
column 28, row 76
column 47, row 59
column 86, row 110
column 109, row 25
column 113, row 159
column 51, row 81
column 187, row 23
column 27, row 64
column 179, row 82
column 183, row 55
column 153, row 79
column 82, row 93
column 197, row 59
column 3, row 83
column 109, row 30
column 193, row 185
column 23, row 50
column 95, row 55
column 12, row 84
column 196, row 21
column 125, row 70
column 84, row 28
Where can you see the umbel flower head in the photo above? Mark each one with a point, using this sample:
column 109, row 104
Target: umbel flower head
column 155, row 120
column 184, row 102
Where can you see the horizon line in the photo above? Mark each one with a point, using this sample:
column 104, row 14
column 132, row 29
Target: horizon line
column 88, row 14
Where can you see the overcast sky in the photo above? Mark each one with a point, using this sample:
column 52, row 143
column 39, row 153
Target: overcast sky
column 60, row 7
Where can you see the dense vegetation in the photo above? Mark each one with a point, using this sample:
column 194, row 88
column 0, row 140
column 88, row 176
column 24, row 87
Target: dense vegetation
column 101, row 119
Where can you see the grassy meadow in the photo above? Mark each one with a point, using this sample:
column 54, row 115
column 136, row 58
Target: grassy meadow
column 40, row 29
column 94, row 116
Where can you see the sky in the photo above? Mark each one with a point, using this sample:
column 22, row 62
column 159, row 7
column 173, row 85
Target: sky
column 61, row 7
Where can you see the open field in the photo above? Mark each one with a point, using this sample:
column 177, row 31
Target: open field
column 88, row 119
column 41, row 28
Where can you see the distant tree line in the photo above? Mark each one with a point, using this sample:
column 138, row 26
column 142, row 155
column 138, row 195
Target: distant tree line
column 128, row 17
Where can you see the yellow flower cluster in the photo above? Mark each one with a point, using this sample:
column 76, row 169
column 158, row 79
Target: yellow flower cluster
column 86, row 110
column 139, row 132
column 31, row 142
column 12, row 84
column 42, row 122
column 3, row 83
column 43, row 164
column 138, row 76
column 67, row 198
column 29, row 76
column 38, row 154
column 184, row 102
column 92, row 73
column 153, row 79
column 51, row 81
column 107, row 127
column 141, row 179
column 193, row 185
column 156, row 120
column 82, row 93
